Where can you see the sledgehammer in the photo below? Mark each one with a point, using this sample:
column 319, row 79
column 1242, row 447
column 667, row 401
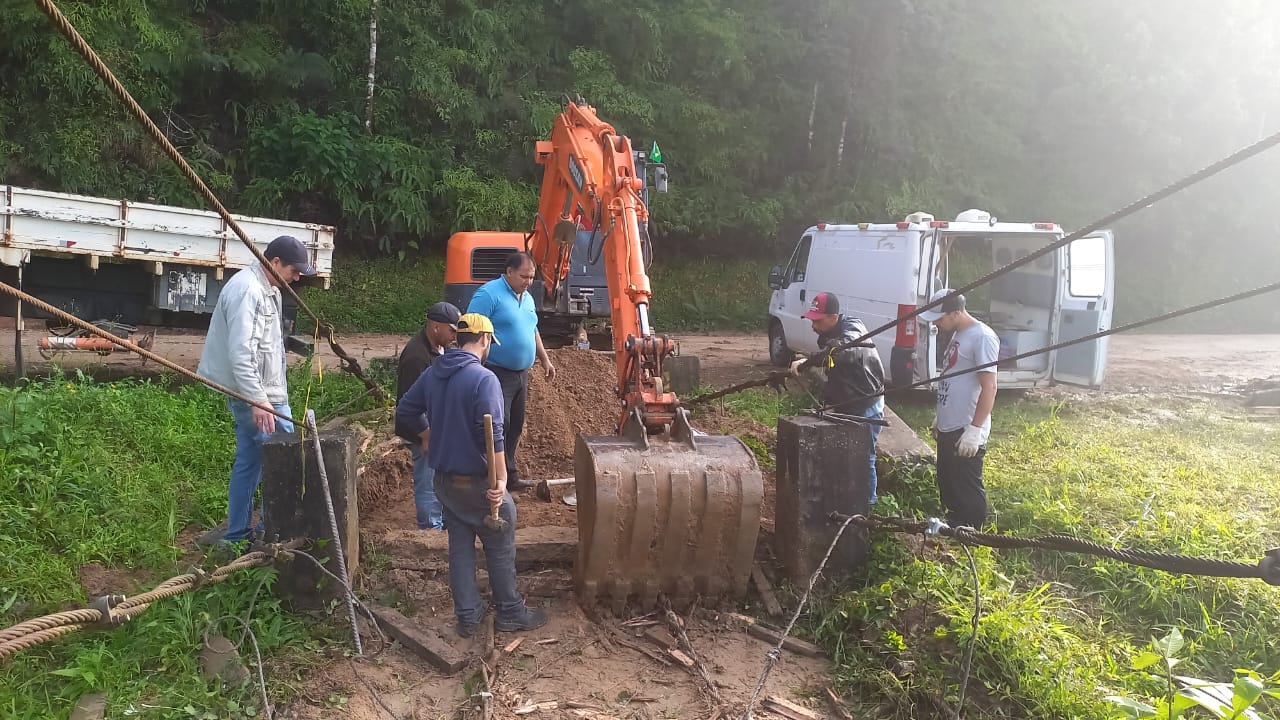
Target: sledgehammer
column 543, row 490
column 492, row 520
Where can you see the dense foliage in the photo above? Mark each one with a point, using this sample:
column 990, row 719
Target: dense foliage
column 770, row 115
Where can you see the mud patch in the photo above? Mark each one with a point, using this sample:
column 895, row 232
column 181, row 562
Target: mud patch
column 387, row 479
column 98, row 580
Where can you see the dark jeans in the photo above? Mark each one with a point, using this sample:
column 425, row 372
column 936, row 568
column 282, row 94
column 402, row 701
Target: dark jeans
column 960, row 482
column 515, row 395
column 465, row 507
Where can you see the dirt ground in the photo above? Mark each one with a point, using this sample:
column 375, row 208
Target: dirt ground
column 1135, row 362
column 590, row 667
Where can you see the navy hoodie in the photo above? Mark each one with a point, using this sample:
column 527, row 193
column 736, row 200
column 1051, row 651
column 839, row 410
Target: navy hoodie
column 451, row 398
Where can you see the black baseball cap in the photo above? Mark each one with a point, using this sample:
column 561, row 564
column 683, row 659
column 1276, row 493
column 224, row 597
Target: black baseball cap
column 291, row 251
column 446, row 313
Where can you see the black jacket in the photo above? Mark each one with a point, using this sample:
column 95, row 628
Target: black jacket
column 416, row 357
column 854, row 374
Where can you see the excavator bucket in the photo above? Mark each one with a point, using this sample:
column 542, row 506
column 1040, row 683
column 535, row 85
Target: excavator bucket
column 677, row 515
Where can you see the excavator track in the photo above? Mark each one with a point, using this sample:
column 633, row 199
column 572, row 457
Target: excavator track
column 677, row 517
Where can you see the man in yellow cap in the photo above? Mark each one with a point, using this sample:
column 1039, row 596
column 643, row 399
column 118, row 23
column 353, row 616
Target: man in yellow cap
column 453, row 396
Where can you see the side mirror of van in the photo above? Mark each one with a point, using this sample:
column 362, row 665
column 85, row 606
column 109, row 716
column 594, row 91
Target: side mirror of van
column 775, row 277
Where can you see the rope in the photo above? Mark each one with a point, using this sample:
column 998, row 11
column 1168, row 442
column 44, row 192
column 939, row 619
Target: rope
column 1231, row 160
column 333, row 530
column 112, row 610
column 771, row 657
column 60, row 21
column 131, row 346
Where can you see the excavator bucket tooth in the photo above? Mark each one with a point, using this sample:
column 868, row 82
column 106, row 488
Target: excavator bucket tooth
column 666, row 518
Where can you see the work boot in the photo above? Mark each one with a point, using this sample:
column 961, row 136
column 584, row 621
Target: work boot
column 211, row 538
column 467, row 629
column 526, row 619
column 517, row 485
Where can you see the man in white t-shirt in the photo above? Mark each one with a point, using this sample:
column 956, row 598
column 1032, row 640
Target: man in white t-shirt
column 964, row 409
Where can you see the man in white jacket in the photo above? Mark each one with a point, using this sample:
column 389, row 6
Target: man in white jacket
column 244, row 351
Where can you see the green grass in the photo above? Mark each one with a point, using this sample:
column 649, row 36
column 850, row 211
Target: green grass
column 109, row 473
column 389, row 296
column 1059, row 631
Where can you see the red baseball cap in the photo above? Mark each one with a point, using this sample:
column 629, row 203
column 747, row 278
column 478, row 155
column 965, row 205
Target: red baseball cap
column 824, row 303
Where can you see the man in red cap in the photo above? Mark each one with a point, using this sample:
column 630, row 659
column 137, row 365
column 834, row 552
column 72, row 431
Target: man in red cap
column 855, row 375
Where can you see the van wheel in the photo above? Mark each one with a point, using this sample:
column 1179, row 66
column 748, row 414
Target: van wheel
column 779, row 354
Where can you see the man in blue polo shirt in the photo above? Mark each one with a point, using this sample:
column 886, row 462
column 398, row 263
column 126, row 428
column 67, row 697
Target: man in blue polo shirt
column 506, row 301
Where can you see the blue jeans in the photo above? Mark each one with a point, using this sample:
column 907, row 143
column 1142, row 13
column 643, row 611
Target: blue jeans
column 430, row 516
column 876, row 412
column 465, row 507
column 246, row 471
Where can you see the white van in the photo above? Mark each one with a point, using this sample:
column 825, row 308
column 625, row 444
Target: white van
column 883, row 271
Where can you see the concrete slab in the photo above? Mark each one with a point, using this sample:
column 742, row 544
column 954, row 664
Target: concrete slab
column 899, row 442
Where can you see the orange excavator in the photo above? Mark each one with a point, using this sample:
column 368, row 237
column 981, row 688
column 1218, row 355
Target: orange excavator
column 662, row 508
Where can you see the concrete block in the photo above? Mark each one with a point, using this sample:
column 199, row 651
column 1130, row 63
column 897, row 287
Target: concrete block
column 822, row 466
column 293, row 506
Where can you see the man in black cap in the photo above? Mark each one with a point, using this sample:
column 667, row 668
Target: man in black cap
column 964, row 404
column 244, row 351
column 439, row 333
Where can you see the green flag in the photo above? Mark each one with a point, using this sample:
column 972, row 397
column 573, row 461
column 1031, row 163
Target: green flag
column 655, row 154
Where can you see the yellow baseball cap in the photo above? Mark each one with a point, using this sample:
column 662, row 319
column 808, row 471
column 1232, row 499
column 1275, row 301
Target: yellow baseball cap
column 477, row 323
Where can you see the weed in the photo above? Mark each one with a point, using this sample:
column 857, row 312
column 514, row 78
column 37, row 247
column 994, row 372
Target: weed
column 1057, row 629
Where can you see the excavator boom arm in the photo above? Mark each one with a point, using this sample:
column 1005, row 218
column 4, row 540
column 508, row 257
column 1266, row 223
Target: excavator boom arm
column 590, row 176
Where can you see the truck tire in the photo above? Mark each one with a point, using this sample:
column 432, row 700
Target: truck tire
column 779, row 354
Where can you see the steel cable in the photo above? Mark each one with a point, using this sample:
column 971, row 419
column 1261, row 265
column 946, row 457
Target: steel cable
column 1199, row 307
column 60, row 21
column 1205, row 173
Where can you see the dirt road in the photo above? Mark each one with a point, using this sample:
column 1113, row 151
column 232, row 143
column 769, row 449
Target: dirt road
column 1136, row 362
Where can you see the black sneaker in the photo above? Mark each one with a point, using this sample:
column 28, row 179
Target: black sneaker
column 526, row 619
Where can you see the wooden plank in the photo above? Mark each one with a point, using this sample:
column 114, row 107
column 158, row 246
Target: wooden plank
column 681, row 658
column 661, row 638
column 788, row 709
column 424, row 643
column 795, row 645
column 771, row 604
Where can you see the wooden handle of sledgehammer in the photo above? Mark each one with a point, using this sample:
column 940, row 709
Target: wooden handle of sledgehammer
column 491, row 456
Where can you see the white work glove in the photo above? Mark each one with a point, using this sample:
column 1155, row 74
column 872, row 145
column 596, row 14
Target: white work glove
column 970, row 442
column 795, row 367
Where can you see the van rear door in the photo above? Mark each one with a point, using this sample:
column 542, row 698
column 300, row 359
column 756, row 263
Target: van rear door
column 1086, row 294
